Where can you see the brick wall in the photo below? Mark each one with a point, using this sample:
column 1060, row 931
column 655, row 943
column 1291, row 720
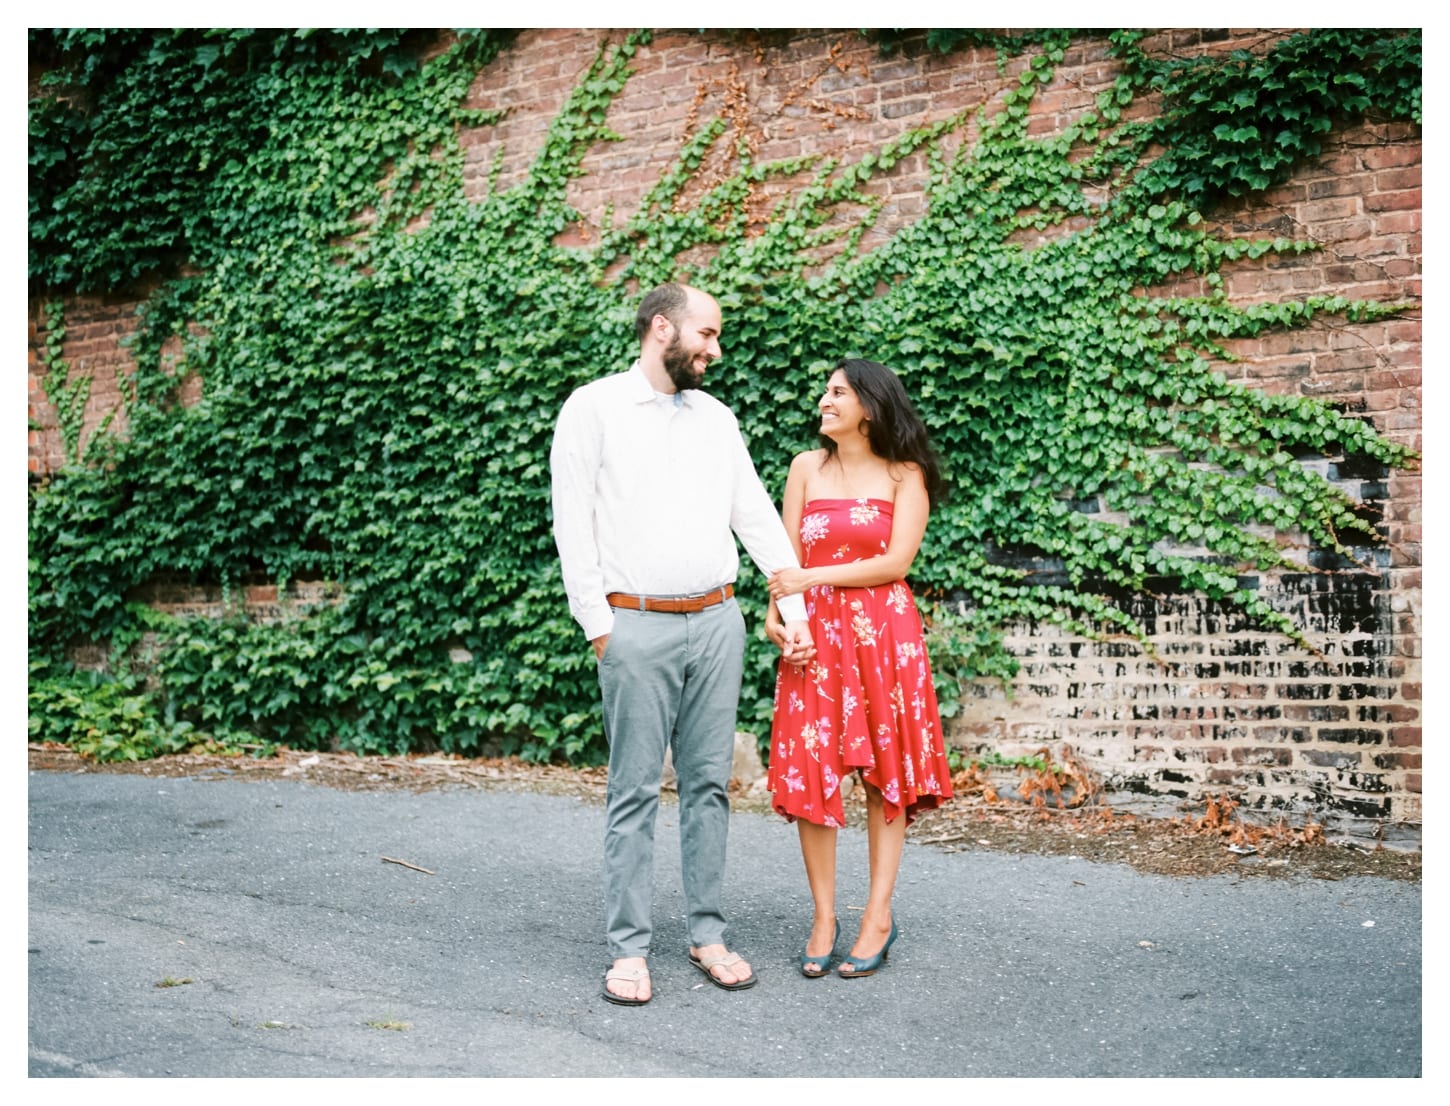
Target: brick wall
column 1223, row 709
column 1336, row 731
column 95, row 327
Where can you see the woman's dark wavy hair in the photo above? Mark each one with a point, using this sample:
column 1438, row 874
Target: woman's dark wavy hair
column 894, row 429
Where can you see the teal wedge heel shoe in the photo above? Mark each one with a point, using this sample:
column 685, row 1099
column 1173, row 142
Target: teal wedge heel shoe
column 867, row 965
column 813, row 967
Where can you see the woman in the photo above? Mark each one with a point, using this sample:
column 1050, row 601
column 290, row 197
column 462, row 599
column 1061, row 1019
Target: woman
column 856, row 510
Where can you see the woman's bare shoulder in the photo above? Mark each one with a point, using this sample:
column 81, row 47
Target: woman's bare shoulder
column 808, row 460
column 906, row 472
column 906, row 477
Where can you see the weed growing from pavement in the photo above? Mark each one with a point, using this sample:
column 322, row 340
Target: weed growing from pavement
column 396, row 1026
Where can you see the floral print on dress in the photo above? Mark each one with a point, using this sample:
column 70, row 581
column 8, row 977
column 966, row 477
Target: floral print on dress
column 861, row 624
column 866, row 703
column 832, row 632
column 820, row 677
column 814, row 528
column 831, row 780
column 808, row 737
column 899, row 599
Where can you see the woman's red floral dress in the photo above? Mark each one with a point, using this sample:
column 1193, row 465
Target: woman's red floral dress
column 867, row 701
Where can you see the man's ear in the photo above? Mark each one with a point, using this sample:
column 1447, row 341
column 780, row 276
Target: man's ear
column 661, row 327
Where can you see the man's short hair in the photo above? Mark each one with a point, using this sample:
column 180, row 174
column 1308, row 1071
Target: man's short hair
column 668, row 300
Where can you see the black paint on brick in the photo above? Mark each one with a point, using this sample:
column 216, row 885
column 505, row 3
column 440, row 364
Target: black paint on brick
column 1365, row 691
column 1241, row 647
column 1353, row 736
column 1324, row 713
column 1359, row 808
column 1373, row 712
column 1326, row 560
column 1134, row 785
column 1358, row 466
column 1330, row 758
column 1368, row 781
column 1304, row 691
column 1255, row 713
column 1298, row 583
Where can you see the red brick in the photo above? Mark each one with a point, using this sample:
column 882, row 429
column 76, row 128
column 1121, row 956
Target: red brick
column 1406, row 200
column 1394, row 180
column 1405, row 737
column 1329, row 210
column 1389, row 157
column 1399, row 760
column 1398, row 222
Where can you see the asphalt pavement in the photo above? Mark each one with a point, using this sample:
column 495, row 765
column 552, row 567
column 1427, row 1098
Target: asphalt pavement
column 218, row 927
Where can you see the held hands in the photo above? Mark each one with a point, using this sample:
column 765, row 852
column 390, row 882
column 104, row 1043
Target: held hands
column 788, row 581
column 796, row 647
column 793, row 639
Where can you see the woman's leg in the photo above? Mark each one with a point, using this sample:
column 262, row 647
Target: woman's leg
column 884, row 842
column 818, row 850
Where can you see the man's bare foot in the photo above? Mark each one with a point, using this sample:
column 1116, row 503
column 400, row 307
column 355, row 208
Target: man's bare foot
column 628, row 981
column 725, row 968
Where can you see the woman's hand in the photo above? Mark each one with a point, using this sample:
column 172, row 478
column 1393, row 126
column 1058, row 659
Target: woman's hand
column 793, row 639
column 788, row 581
column 774, row 627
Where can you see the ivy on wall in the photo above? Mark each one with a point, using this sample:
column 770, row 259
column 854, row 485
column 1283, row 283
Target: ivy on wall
column 381, row 360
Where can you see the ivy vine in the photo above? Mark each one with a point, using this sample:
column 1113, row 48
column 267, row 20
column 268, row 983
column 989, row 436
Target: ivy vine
column 68, row 392
column 381, row 357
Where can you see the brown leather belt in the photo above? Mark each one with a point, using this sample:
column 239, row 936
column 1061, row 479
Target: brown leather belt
column 687, row 605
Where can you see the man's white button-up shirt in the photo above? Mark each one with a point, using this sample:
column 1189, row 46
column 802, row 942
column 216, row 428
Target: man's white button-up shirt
column 648, row 490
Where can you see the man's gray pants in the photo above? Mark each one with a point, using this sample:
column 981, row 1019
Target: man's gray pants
column 668, row 679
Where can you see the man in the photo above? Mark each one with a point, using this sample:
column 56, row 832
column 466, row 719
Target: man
column 650, row 479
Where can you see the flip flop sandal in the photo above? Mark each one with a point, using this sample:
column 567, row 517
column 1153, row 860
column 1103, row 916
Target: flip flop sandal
column 625, row 975
column 729, row 960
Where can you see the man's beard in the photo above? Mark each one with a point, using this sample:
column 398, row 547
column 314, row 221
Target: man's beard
column 680, row 365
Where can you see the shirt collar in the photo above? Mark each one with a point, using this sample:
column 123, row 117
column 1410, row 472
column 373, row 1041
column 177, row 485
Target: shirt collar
column 642, row 391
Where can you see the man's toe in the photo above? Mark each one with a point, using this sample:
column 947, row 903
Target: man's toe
column 737, row 972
